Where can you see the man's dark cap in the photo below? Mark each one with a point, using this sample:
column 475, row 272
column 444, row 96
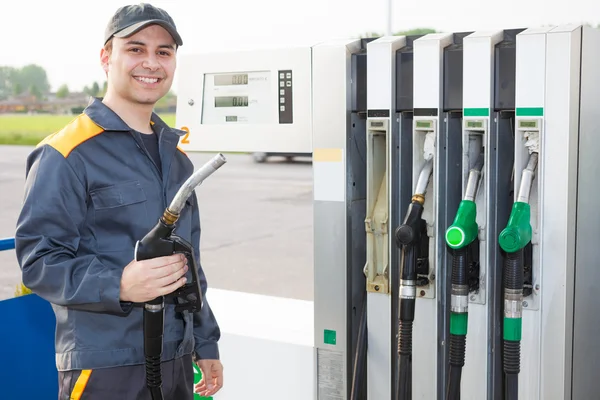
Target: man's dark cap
column 131, row 19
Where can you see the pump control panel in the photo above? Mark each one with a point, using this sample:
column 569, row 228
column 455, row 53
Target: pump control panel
column 251, row 101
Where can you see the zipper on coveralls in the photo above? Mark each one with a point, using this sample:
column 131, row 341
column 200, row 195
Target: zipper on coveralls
column 154, row 168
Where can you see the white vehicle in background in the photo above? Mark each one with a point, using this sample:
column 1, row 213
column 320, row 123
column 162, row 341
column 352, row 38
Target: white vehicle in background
column 261, row 157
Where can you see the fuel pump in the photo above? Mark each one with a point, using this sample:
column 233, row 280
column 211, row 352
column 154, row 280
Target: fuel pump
column 454, row 258
column 383, row 183
column 429, row 143
column 519, row 242
column 418, row 248
column 339, row 117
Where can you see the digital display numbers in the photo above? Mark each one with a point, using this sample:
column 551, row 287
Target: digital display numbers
column 475, row 124
column 231, row 101
column 231, row 79
column 423, row 124
column 528, row 124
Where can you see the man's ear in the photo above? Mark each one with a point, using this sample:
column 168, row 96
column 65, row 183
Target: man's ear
column 104, row 58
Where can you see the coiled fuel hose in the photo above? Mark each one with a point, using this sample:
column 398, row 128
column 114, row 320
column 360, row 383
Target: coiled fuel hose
column 459, row 236
column 513, row 240
column 408, row 238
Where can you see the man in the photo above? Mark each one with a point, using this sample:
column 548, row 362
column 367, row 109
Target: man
column 93, row 189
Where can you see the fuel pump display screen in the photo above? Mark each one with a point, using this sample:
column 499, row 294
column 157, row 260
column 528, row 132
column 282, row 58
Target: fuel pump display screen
column 528, row 124
column 423, row 124
column 231, row 101
column 231, row 79
column 239, row 98
column 475, row 124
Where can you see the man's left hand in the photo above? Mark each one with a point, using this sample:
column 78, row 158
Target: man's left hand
column 212, row 377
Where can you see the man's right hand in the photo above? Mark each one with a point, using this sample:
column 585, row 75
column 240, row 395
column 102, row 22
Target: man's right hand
column 146, row 280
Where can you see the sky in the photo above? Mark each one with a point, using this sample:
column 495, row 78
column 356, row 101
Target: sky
column 65, row 36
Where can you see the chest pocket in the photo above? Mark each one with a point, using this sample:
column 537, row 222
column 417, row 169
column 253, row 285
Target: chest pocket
column 120, row 215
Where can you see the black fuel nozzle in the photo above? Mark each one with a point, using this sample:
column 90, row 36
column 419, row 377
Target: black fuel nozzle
column 408, row 237
column 409, row 232
column 159, row 242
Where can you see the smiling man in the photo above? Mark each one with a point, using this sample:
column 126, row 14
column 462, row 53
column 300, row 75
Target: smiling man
column 93, row 189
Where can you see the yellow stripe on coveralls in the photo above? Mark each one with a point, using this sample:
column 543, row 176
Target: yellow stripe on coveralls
column 81, row 384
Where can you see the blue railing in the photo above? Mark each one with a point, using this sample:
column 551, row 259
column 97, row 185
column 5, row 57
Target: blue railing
column 7, row 244
column 27, row 345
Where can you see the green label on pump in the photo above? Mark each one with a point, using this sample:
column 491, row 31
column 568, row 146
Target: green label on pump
column 530, row 112
column 423, row 124
column 476, row 112
column 329, row 337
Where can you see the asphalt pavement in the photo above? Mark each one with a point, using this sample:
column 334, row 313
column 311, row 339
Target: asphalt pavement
column 257, row 224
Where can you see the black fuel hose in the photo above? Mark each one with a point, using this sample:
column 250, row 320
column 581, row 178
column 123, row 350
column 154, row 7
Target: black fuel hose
column 513, row 293
column 360, row 359
column 153, row 345
column 408, row 237
column 458, row 334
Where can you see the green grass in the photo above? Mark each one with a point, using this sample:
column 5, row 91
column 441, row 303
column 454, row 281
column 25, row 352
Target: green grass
column 31, row 129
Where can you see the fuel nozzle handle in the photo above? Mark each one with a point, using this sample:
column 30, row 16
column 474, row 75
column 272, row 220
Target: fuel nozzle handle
column 464, row 229
column 518, row 231
column 408, row 233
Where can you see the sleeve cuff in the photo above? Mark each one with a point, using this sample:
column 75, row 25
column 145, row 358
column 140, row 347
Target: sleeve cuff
column 110, row 294
column 207, row 351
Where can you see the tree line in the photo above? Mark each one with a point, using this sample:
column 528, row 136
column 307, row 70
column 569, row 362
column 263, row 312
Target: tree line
column 33, row 79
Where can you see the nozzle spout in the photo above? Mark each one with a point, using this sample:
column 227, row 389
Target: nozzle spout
column 424, row 177
column 473, row 181
column 527, row 178
column 171, row 214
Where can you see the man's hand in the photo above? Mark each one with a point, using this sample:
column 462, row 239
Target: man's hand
column 146, row 280
column 212, row 377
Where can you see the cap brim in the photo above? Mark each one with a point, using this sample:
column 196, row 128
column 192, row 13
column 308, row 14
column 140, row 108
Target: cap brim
column 130, row 30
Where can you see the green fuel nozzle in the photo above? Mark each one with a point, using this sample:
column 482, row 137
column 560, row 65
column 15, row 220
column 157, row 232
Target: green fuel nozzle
column 464, row 228
column 518, row 231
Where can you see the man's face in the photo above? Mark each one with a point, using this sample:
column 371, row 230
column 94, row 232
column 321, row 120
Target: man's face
column 140, row 68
